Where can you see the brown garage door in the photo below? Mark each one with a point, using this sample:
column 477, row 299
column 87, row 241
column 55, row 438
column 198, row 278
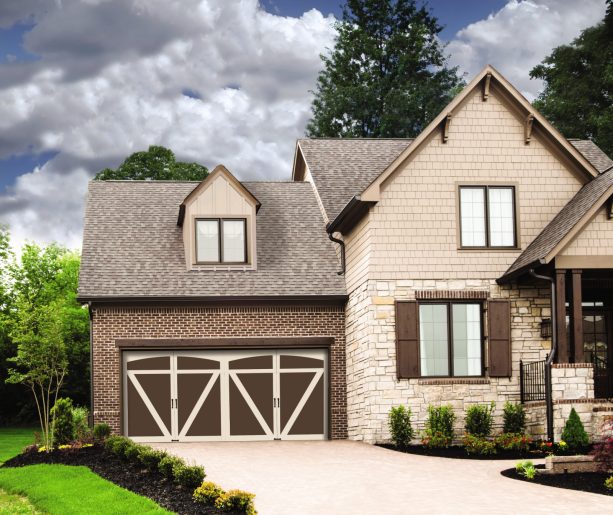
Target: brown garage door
column 225, row 395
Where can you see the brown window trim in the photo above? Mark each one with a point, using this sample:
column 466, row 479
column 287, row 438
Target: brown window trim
column 487, row 246
column 449, row 303
column 220, row 240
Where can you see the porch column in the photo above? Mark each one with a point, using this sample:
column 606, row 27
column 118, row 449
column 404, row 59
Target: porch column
column 560, row 307
column 577, row 318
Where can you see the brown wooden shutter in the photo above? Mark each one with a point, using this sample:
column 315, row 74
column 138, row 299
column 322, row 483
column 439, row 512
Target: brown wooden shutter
column 499, row 318
column 407, row 340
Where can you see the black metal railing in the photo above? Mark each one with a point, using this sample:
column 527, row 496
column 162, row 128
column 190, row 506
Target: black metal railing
column 533, row 381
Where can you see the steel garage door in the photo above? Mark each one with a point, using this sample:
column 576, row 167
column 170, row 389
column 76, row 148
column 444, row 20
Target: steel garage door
column 225, row 395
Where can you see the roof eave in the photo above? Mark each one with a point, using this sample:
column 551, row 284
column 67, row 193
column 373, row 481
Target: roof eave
column 133, row 299
column 351, row 214
column 507, row 277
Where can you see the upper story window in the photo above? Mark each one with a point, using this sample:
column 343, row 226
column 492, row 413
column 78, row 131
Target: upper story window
column 221, row 240
column 487, row 217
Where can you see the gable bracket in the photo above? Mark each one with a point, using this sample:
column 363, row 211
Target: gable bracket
column 446, row 125
column 528, row 122
column 486, row 86
column 610, row 208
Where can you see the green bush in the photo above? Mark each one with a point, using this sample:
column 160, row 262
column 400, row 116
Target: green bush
column 479, row 419
column 236, row 500
column 514, row 418
column 478, row 445
column 149, row 457
column 130, row 451
column 513, row 442
column 609, row 483
column 207, row 493
column 63, row 423
column 399, row 422
column 117, row 444
column 439, row 426
column 80, row 423
column 101, row 432
column 574, row 433
column 189, row 476
column 167, row 465
column 526, row 469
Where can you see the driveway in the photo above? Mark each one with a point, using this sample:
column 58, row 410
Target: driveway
column 345, row 477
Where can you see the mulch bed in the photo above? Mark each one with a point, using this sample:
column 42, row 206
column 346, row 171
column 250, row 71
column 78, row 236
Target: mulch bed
column 130, row 476
column 584, row 481
column 458, row 452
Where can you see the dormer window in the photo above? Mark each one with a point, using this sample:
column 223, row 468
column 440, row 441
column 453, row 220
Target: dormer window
column 221, row 240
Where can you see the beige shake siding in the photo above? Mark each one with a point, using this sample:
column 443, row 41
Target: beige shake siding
column 596, row 238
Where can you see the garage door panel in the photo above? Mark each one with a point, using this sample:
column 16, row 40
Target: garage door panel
column 195, row 363
column 293, row 387
column 288, row 361
column 190, row 388
column 260, row 390
column 207, row 421
column 243, row 421
column 155, row 363
column 141, row 421
column 254, row 362
column 310, row 420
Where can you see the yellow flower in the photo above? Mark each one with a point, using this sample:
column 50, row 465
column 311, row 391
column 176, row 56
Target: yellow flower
column 42, row 448
column 87, row 445
column 64, row 447
column 562, row 443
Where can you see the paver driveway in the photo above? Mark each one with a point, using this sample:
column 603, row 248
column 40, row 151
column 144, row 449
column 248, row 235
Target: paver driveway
column 344, row 477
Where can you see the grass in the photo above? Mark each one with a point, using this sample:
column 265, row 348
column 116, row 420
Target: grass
column 64, row 489
column 13, row 440
column 16, row 504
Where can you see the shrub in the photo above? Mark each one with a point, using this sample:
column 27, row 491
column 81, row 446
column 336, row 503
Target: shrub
column 117, row 444
column 513, row 442
column 603, row 455
column 131, row 450
column 80, row 423
column 63, row 424
column 514, row 418
column 167, row 464
column 526, row 469
column 439, row 426
column 207, row 493
column 399, row 422
column 609, row 483
column 101, row 431
column 236, row 500
column 149, row 457
column 189, row 476
column 479, row 419
column 574, row 433
column 478, row 445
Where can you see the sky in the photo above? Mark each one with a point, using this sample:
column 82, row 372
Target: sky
column 85, row 83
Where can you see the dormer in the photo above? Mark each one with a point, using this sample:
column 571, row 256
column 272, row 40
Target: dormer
column 219, row 226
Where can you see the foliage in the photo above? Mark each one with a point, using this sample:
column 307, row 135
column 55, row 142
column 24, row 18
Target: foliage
column 189, row 476
column 156, row 163
column 80, row 423
column 399, row 422
column 131, row 450
column 609, row 483
column 514, row 418
column 513, row 442
column 149, row 457
column 117, row 444
column 603, row 455
column 207, row 493
column 63, row 423
column 68, row 489
column 386, row 76
column 578, row 93
column 478, row 445
column 168, row 464
column 526, row 469
column 479, row 419
column 574, row 433
column 236, row 500
column 439, row 426
column 101, row 431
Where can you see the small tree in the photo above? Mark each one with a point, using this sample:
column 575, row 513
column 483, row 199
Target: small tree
column 514, row 418
column 574, row 433
column 399, row 422
column 41, row 362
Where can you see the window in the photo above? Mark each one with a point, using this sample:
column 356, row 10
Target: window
column 220, row 240
column 487, row 216
column 450, row 339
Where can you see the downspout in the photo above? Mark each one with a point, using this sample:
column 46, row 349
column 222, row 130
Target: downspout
column 342, row 245
column 91, row 362
column 549, row 360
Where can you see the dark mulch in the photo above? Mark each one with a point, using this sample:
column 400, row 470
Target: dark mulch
column 459, row 452
column 585, row 481
column 130, row 476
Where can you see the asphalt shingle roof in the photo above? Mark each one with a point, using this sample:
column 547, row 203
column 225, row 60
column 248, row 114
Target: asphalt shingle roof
column 563, row 222
column 132, row 246
column 343, row 167
column 592, row 153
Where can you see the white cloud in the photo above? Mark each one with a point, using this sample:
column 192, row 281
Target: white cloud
column 520, row 35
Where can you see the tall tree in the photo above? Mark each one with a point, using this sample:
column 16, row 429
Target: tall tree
column 157, row 163
column 578, row 93
column 387, row 75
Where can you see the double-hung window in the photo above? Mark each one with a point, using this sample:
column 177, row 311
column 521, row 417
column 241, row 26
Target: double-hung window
column 487, row 217
column 450, row 336
column 221, row 240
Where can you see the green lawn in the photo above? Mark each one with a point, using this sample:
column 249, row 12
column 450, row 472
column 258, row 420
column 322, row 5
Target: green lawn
column 64, row 489
column 13, row 440
column 16, row 505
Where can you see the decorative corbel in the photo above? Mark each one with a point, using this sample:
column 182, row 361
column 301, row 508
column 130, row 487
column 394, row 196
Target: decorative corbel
column 528, row 127
column 446, row 124
column 486, row 86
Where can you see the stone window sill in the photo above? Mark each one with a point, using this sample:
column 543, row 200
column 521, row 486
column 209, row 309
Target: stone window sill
column 454, row 380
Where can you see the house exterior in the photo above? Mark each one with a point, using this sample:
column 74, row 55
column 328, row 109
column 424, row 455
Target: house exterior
column 426, row 271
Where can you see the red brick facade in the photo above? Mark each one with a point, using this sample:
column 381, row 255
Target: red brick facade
column 112, row 323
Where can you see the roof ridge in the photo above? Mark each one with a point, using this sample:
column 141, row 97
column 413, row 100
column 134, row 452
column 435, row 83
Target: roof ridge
column 354, row 138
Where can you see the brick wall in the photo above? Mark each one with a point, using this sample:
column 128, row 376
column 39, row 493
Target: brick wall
column 112, row 323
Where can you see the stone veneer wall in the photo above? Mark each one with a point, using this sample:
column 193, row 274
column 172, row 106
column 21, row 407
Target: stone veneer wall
column 371, row 355
column 111, row 323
